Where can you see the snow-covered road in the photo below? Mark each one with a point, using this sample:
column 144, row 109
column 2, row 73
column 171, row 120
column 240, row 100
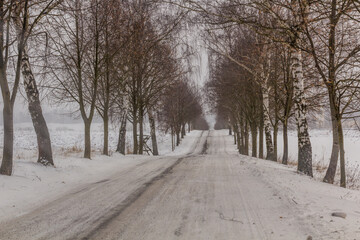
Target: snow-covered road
column 210, row 193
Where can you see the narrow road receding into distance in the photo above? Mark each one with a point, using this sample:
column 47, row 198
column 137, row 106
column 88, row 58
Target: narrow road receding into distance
column 210, row 193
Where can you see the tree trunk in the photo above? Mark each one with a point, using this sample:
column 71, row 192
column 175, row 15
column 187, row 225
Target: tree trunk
column 342, row 155
column 286, row 143
column 236, row 130
column 246, row 133
column 229, row 124
column 106, row 134
column 267, row 124
column 135, row 137
column 183, row 131
column 172, row 140
column 87, row 151
column 242, row 138
column 331, row 171
column 7, row 161
column 239, row 146
column 275, row 133
column 304, row 144
column 122, row 134
column 338, row 139
column 178, row 137
column 253, row 128
column 153, row 133
column 42, row 133
column 261, row 138
column 189, row 127
column 141, row 132
column 235, row 134
column 8, row 101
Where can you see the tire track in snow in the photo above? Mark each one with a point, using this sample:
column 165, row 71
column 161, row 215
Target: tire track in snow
column 132, row 198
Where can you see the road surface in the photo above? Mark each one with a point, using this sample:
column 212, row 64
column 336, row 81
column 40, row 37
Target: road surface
column 210, row 193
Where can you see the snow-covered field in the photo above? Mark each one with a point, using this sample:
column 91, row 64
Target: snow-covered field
column 66, row 137
column 32, row 184
column 321, row 141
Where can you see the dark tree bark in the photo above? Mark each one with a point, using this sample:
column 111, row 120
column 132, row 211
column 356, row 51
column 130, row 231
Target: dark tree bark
column 106, row 133
column 285, row 121
column 230, row 130
column 141, row 132
column 331, row 171
column 153, row 132
column 261, row 138
column 135, row 137
column 122, row 134
column 236, row 130
column 342, row 155
column 246, row 135
column 7, row 160
column 286, row 143
column 178, row 137
column 239, row 142
column 275, row 136
column 242, row 137
column 336, row 116
column 253, row 128
column 183, row 131
column 87, row 150
column 172, row 139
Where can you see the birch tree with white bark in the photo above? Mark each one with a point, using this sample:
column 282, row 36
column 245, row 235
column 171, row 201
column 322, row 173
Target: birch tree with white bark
column 25, row 24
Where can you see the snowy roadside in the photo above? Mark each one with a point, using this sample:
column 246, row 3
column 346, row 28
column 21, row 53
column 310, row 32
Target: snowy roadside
column 321, row 141
column 312, row 200
column 33, row 185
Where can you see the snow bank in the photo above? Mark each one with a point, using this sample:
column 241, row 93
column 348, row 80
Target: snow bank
column 313, row 201
column 321, row 141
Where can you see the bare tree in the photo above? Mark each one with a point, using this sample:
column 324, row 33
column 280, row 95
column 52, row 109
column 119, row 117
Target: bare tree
column 8, row 95
column 77, row 42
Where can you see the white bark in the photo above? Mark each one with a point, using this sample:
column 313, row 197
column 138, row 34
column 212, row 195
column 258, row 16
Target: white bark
column 43, row 137
column 304, row 144
column 264, row 77
column 267, row 123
